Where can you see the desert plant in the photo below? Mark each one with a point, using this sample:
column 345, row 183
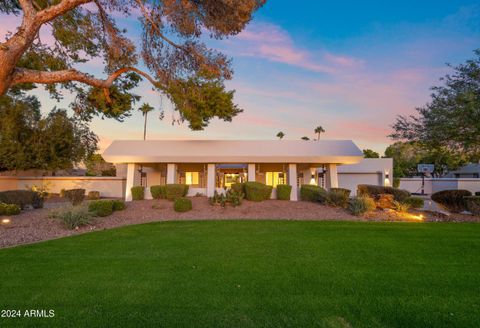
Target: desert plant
column 158, row 192
column 338, row 197
column 176, row 190
column 74, row 218
column 400, row 207
column 21, row 198
column 284, row 191
column 42, row 190
column 182, row 204
column 453, row 200
column 414, row 202
column 313, row 193
column 75, row 196
column 217, row 199
column 234, row 198
column 257, row 191
column 361, row 205
column 9, row 209
column 138, row 192
column 93, row 195
column 374, row 191
column 239, row 187
column 118, row 205
column 101, row 207
column 473, row 204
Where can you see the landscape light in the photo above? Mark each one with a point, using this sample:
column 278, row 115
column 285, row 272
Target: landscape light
column 5, row 221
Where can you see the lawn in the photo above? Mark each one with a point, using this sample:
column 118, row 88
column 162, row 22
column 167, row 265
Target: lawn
column 250, row 274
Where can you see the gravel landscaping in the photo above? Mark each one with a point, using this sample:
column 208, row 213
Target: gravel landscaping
column 36, row 225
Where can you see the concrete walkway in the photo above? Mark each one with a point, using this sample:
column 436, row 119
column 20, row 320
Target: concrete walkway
column 430, row 206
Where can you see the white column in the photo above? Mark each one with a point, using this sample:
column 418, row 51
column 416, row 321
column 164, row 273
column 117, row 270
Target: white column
column 292, row 180
column 210, row 180
column 251, row 172
column 131, row 169
column 171, row 173
column 332, row 176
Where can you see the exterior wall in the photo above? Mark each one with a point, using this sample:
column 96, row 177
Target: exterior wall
column 375, row 171
column 107, row 186
column 414, row 185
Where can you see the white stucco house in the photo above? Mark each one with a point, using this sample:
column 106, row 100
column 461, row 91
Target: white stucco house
column 209, row 165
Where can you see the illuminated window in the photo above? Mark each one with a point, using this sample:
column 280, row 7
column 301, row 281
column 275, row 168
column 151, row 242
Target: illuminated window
column 275, row 178
column 191, row 178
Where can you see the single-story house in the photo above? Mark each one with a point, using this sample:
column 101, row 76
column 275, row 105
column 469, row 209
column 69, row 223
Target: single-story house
column 209, row 165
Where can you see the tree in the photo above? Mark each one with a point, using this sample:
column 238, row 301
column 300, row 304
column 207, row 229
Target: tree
column 97, row 166
column 449, row 124
column 319, row 130
column 30, row 141
column 305, row 138
column 145, row 109
column 280, row 135
column 177, row 61
column 368, row 153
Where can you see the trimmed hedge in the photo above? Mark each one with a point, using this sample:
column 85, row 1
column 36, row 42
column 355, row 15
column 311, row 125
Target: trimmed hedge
column 477, row 193
column 284, row 191
column 158, row 192
column 75, row 196
column 238, row 188
column 414, row 202
column 453, row 200
column 138, row 193
column 21, row 198
column 473, row 204
column 175, row 190
column 118, row 205
column 92, row 195
column 374, row 191
column 9, row 209
column 101, row 207
column 257, row 191
column 313, row 193
column 182, row 204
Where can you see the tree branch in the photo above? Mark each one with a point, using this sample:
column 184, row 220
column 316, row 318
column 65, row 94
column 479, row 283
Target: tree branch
column 50, row 13
column 27, row 7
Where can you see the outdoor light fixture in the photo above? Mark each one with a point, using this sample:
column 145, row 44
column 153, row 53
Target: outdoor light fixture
column 6, row 221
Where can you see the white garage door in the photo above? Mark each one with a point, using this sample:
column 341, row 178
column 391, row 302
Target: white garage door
column 352, row 180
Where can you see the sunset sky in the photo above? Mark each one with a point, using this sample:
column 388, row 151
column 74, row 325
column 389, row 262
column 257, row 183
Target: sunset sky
column 349, row 66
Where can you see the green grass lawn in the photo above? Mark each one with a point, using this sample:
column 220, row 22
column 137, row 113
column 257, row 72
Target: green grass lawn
column 250, row 274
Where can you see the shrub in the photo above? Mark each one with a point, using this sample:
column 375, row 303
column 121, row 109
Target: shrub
column 473, row 204
column 361, row 205
column 62, row 193
column 396, row 182
column 138, row 193
column 257, row 191
column 400, row 207
column 118, row 205
column 101, row 207
column 9, row 209
column 93, row 195
column 239, row 188
column 234, row 198
column 453, row 200
column 414, row 202
column 182, row 204
column 218, row 199
column 284, row 191
column 75, row 196
column 74, row 218
column 374, row 191
column 158, row 192
column 176, row 190
column 477, row 193
column 312, row 193
column 21, row 198
column 338, row 197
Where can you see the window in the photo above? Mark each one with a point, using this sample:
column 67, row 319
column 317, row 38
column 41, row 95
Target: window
column 275, row 178
column 191, row 178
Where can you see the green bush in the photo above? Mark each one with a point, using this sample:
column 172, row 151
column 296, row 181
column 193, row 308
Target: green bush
column 257, row 191
column 74, row 218
column 75, row 196
column 477, row 193
column 9, row 209
column 118, row 205
column 138, row 192
column 453, row 200
column 374, row 191
column 338, row 197
column 93, row 195
column 396, row 182
column 238, row 187
column 414, row 202
column 182, row 204
column 158, row 192
column 313, row 193
column 101, row 207
column 473, row 204
column 21, row 198
column 361, row 205
column 176, row 190
column 284, row 191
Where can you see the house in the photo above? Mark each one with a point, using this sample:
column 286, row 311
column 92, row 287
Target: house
column 209, row 165
column 471, row 170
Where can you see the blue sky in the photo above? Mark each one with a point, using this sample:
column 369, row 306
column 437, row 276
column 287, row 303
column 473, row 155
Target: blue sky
column 349, row 66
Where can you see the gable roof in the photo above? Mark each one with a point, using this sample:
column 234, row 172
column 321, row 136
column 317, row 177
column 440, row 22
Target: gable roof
column 233, row 151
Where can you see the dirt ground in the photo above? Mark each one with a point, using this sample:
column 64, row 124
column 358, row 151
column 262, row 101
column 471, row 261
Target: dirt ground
column 36, row 225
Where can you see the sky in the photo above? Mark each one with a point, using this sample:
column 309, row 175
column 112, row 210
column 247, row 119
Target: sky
column 349, row 66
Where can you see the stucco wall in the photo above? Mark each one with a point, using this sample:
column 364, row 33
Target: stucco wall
column 433, row 185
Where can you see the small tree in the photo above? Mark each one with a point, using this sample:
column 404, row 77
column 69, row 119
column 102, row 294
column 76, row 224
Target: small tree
column 145, row 109
column 368, row 153
column 319, row 130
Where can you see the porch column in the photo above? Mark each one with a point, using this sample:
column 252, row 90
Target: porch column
column 171, row 173
column 292, row 181
column 210, row 180
column 131, row 169
column 251, row 172
column 332, row 176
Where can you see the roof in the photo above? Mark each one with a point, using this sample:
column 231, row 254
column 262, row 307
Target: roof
column 233, row 151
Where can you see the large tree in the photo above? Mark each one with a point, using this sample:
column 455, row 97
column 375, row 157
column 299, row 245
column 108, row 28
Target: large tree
column 171, row 50
column 450, row 123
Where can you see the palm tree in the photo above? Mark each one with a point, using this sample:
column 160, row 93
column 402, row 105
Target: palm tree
column 280, row 135
column 319, row 130
column 305, row 138
column 145, row 108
